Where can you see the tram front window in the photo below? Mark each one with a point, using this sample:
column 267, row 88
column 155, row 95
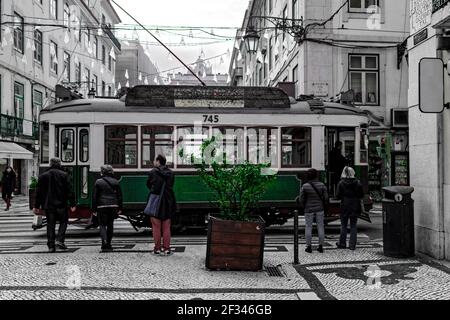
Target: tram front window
column 121, row 146
column 67, row 145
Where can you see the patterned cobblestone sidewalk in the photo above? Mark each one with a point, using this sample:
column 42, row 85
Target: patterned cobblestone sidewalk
column 136, row 274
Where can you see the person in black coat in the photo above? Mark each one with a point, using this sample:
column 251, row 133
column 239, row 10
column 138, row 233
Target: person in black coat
column 107, row 204
column 336, row 163
column 162, row 203
column 8, row 186
column 350, row 192
column 54, row 194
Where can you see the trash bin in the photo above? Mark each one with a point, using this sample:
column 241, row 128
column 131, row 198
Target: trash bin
column 398, row 222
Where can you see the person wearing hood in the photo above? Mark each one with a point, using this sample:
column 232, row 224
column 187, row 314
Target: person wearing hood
column 107, row 204
column 350, row 192
column 8, row 186
column 161, row 206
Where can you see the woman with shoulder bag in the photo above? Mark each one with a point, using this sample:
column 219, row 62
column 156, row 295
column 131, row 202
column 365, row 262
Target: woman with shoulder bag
column 313, row 200
column 161, row 205
column 107, row 204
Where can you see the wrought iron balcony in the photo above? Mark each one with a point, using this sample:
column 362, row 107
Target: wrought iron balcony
column 438, row 4
column 14, row 127
column 107, row 30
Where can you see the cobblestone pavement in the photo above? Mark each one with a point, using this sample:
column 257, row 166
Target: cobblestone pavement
column 132, row 272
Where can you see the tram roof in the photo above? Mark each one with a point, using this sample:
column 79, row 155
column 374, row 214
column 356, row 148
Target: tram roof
column 185, row 99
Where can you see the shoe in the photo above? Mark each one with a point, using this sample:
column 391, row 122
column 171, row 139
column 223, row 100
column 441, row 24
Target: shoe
column 352, row 248
column 168, row 253
column 308, row 249
column 61, row 245
column 156, row 252
column 320, row 249
column 51, row 250
column 339, row 246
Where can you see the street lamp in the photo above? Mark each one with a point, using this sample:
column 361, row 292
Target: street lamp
column 91, row 94
column 251, row 39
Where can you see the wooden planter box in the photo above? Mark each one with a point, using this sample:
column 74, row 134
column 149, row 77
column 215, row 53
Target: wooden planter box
column 235, row 245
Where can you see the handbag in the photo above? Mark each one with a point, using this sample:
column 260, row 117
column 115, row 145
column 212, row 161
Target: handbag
column 324, row 203
column 154, row 203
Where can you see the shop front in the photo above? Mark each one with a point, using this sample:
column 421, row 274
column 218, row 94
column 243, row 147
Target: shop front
column 22, row 161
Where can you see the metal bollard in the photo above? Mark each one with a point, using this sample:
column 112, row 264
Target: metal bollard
column 296, row 261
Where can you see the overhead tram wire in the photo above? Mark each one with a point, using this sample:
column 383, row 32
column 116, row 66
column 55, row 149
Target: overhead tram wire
column 167, row 48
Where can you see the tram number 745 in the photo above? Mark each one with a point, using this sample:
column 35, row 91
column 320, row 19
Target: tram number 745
column 211, row 118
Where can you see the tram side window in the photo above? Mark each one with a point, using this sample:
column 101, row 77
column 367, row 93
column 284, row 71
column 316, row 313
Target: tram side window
column 155, row 141
column 190, row 140
column 45, row 143
column 84, row 145
column 262, row 146
column 231, row 145
column 296, row 147
column 67, row 145
column 121, row 146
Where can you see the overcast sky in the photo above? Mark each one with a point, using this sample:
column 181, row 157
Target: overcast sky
column 195, row 13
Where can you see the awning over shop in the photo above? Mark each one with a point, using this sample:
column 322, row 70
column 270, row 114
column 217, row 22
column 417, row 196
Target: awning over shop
column 10, row 150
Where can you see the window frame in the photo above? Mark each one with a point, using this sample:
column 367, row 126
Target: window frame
column 362, row 8
column 80, row 146
column 282, row 143
column 19, row 98
column 19, row 33
column 152, row 140
column 120, row 166
column 74, row 155
column 179, row 164
column 53, row 66
column 38, row 44
column 364, row 71
column 37, row 105
column 275, row 145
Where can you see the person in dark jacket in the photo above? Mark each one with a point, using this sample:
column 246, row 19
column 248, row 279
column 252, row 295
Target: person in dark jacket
column 8, row 186
column 107, row 204
column 336, row 163
column 313, row 197
column 54, row 195
column 162, row 203
column 350, row 192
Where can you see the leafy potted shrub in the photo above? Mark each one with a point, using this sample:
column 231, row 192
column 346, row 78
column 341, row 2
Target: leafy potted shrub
column 236, row 235
column 32, row 192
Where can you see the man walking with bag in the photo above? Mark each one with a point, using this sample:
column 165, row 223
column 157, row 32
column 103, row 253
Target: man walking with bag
column 54, row 195
column 161, row 206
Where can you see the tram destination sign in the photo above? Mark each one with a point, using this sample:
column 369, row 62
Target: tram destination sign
column 206, row 97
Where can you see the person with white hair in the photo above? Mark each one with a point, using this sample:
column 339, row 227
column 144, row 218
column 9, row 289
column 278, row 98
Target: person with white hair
column 107, row 204
column 350, row 192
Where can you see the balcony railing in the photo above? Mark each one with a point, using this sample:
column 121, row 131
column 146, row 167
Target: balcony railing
column 15, row 127
column 111, row 35
column 438, row 4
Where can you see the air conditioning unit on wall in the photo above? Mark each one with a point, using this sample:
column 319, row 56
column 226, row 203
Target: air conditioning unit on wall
column 400, row 118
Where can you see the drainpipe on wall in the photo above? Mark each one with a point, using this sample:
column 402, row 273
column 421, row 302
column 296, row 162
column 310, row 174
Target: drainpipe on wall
column 441, row 168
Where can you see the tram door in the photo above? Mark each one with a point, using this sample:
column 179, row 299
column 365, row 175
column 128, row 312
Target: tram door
column 346, row 137
column 73, row 149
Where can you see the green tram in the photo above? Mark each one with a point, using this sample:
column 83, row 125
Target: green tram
column 258, row 124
